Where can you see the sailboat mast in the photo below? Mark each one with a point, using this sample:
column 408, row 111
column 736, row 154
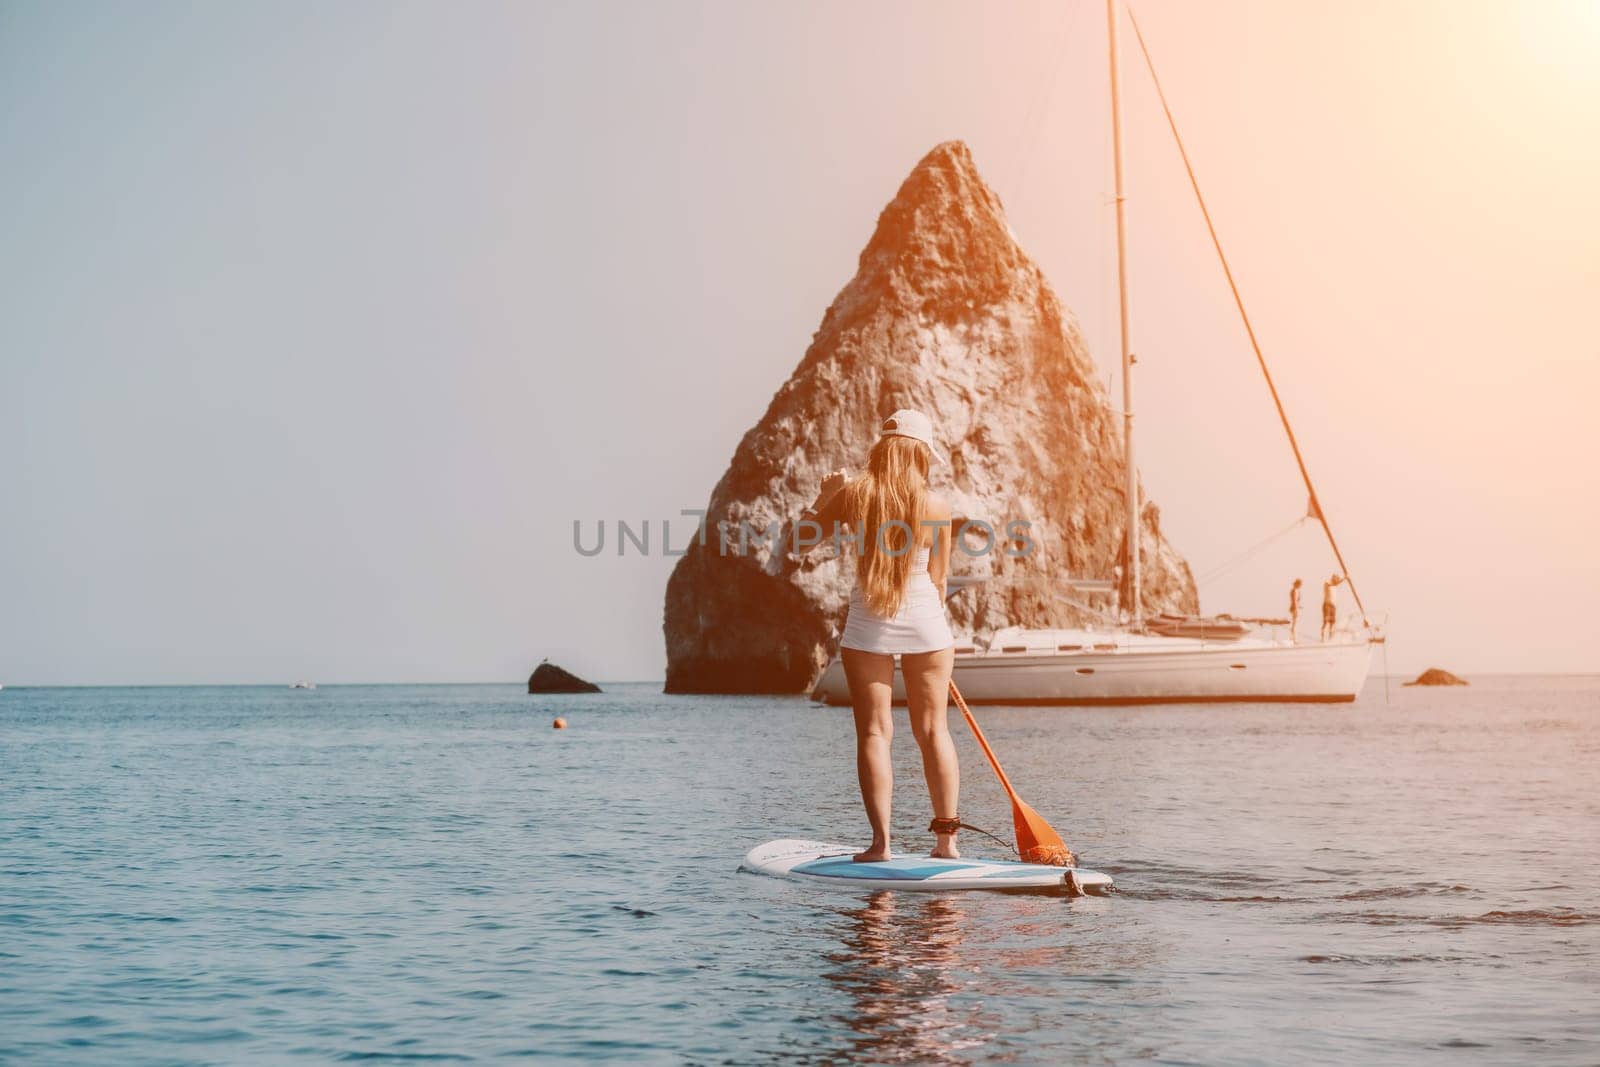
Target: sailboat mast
column 1135, row 611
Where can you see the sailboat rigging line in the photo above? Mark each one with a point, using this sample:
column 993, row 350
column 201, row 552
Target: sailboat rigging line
column 1238, row 301
column 1039, row 104
column 1223, row 568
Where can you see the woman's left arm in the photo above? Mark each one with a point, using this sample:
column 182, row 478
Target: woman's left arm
column 939, row 552
column 824, row 511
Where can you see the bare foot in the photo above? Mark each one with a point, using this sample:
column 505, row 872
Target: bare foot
column 946, row 849
column 874, row 854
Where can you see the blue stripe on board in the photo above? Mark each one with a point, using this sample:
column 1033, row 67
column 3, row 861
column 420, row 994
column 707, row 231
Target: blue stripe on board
column 906, row 869
column 909, row 869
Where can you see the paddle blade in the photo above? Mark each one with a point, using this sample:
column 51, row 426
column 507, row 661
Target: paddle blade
column 1037, row 840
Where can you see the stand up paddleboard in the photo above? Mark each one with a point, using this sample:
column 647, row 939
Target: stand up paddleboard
column 817, row 861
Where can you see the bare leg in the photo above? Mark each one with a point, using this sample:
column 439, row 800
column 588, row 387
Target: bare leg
column 927, row 677
column 871, row 679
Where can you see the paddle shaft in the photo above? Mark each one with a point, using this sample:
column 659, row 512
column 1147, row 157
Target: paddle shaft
column 983, row 742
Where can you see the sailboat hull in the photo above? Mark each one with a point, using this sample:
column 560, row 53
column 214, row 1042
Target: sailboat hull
column 1152, row 671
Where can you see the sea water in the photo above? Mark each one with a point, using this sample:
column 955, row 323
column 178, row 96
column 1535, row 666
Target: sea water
column 409, row 873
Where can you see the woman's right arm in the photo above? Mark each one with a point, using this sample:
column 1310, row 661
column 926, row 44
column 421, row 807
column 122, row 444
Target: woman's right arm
column 943, row 539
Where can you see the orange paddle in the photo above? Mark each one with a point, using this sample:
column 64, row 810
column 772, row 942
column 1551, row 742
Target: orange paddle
column 1037, row 840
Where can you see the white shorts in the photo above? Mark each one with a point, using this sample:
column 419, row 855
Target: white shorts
column 919, row 626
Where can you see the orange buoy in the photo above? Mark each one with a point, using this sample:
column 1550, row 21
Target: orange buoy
column 559, row 724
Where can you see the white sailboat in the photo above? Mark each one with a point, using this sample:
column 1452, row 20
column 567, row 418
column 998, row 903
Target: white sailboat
column 1141, row 661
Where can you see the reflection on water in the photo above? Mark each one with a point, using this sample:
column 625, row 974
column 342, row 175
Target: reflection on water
column 929, row 978
column 897, row 959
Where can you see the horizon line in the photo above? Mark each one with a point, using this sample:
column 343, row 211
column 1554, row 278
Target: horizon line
column 625, row 681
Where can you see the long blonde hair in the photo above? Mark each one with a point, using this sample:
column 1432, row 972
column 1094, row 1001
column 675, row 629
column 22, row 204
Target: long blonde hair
column 886, row 506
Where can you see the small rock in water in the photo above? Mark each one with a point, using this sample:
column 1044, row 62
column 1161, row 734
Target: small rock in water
column 1435, row 676
column 548, row 678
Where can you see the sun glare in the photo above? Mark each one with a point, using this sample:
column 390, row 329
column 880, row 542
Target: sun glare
column 1563, row 38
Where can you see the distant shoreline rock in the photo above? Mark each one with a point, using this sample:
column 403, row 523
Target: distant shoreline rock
column 1435, row 676
column 548, row 678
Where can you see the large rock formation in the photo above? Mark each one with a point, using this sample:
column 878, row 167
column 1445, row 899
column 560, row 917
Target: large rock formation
column 945, row 314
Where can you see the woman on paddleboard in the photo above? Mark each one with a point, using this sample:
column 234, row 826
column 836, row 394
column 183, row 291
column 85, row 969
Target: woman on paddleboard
column 900, row 533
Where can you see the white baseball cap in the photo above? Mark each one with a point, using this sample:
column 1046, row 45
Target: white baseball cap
column 912, row 424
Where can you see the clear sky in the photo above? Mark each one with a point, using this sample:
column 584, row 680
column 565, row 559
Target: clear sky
column 320, row 324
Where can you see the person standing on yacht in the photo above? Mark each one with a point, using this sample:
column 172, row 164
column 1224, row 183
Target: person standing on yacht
column 1330, row 610
column 1294, row 611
